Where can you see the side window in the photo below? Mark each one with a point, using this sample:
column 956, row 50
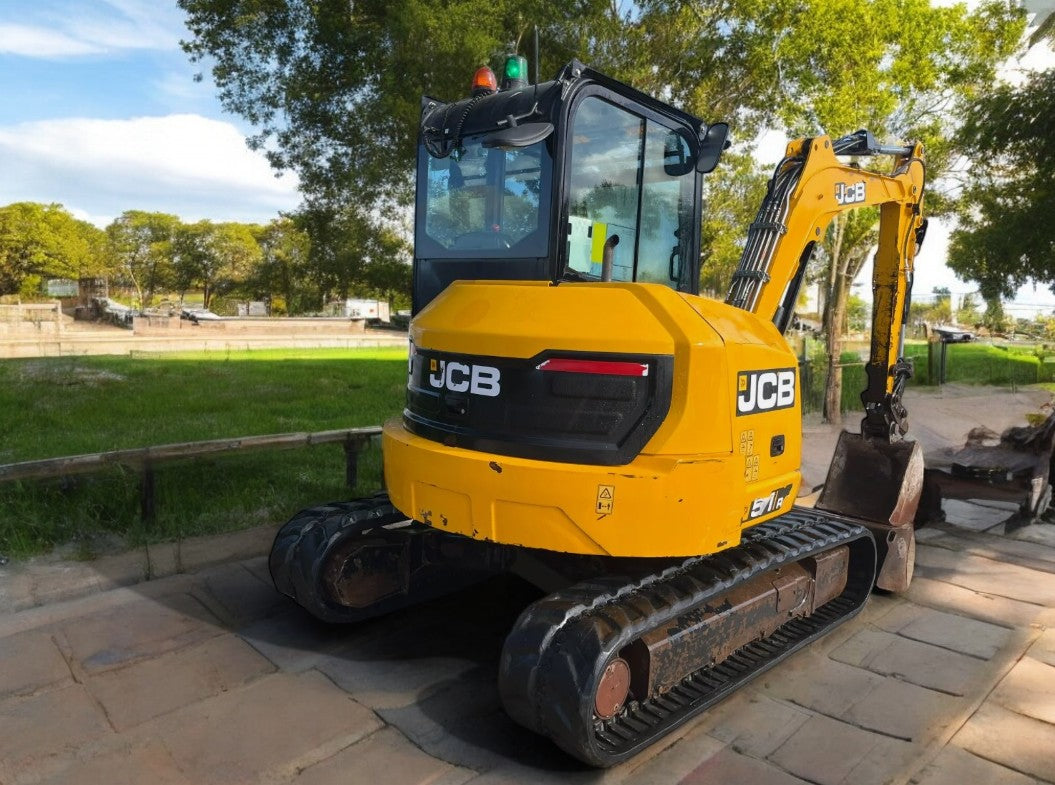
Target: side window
column 666, row 207
column 629, row 196
column 605, row 188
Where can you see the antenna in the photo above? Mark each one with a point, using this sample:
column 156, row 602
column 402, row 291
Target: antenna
column 536, row 55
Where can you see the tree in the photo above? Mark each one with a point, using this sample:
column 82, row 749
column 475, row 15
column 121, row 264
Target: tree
column 849, row 241
column 1006, row 236
column 940, row 312
column 215, row 257
column 141, row 245
column 898, row 69
column 333, row 88
column 994, row 319
column 283, row 268
column 857, row 313
column 967, row 313
column 39, row 241
column 351, row 253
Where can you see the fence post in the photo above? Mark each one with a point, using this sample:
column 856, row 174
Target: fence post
column 147, row 510
column 352, row 447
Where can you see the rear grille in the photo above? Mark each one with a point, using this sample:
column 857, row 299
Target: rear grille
column 509, row 406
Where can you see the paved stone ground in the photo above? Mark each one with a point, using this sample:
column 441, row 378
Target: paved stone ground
column 211, row 677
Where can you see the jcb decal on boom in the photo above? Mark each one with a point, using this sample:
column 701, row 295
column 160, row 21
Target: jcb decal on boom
column 765, row 391
column 850, row 193
column 767, row 504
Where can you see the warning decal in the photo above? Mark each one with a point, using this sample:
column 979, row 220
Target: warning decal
column 605, row 499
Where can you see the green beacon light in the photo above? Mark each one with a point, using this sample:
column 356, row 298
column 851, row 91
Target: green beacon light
column 514, row 75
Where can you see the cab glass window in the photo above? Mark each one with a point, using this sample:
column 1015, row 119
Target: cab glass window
column 483, row 202
column 630, row 196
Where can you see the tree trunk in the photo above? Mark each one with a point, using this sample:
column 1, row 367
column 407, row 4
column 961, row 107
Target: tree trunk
column 139, row 291
column 834, row 313
column 833, row 386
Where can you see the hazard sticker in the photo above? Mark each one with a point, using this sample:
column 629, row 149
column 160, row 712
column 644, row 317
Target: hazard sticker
column 605, row 499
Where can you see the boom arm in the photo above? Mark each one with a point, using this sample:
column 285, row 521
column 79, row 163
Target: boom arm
column 810, row 187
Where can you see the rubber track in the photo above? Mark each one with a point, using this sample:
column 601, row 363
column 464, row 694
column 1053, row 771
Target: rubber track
column 302, row 545
column 553, row 658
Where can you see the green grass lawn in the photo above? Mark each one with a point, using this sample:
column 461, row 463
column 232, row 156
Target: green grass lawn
column 1000, row 365
column 67, row 406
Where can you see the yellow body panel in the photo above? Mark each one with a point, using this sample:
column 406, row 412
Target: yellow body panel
column 703, row 475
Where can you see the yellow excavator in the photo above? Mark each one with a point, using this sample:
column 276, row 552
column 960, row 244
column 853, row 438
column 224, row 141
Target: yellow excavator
column 577, row 414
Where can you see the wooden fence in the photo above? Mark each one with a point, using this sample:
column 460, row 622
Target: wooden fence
column 145, row 459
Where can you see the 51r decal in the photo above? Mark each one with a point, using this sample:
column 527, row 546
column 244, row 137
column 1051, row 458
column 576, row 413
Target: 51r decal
column 767, row 504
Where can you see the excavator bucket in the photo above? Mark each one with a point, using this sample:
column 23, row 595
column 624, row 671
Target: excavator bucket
column 879, row 484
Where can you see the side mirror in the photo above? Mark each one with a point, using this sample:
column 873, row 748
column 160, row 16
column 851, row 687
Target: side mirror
column 516, row 136
column 712, row 143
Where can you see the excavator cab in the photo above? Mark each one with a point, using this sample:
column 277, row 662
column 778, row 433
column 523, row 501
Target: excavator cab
column 613, row 195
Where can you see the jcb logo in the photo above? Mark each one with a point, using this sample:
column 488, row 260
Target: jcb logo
column 459, row 377
column 768, row 504
column 851, row 193
column 765, row 391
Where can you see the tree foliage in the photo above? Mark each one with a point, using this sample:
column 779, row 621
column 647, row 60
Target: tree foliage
column 1006, row 235
column 333, row 87
column 141, row 247
column 733, row 192
column 39, row 241
column 155, row 254
column 900, row 69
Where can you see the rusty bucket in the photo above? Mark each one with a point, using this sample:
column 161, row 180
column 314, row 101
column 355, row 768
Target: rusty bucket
column 878, row 483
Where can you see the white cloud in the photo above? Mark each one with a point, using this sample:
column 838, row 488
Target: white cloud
column 182, row 163
column 30, row 41
column 59, row 28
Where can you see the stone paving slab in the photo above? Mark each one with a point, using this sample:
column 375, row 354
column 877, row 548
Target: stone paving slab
column 950, row 631
column 1044, row 647
column 45, row 725
column 1029, row 690
column 136, row 630
column 730, row 766
column 754, row 724
column 238, row 596
column 998, row 547
column 271, row 728
column 956, row 766
column 28, row 662
column 384, row 757
column 153, row 687
column 944, row 594
column 149, row 762
column 1019, row 743
column 824, row 750
column 986, row 575
column 918, row 663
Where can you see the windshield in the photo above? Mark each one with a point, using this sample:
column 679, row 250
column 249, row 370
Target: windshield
column 480, row 202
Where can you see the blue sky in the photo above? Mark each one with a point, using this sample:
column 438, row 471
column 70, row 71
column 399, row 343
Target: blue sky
column 101, row 113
